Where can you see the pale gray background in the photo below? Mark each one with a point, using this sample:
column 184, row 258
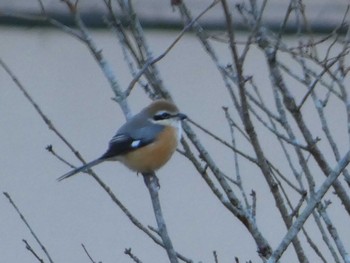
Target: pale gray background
column 63, row 78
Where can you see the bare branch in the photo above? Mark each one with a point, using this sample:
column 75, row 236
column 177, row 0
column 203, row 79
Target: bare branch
column 334, row 233
column 31, row 250
column 215, row 254
column 150, row 62
column 43, row 248
column 38, row 109
column 251, row 159
column 87, row 253
column 152, row 184
column 314, row 200
column 128, row 252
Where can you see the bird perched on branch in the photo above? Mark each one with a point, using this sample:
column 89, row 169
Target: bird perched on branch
column 145, row 142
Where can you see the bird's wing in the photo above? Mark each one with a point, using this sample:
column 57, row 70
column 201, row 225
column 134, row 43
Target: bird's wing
column 124, row 142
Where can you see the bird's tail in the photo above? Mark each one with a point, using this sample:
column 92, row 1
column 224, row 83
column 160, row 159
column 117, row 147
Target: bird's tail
column 80, row 169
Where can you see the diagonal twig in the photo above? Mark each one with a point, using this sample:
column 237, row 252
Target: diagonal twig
column 28, row 226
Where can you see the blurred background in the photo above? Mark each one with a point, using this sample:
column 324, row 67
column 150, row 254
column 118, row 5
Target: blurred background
column 323, row 15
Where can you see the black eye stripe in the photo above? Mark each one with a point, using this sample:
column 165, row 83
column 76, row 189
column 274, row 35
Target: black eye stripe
column 162, row 116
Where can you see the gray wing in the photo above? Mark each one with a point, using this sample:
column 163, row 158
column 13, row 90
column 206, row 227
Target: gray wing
column 135, row 134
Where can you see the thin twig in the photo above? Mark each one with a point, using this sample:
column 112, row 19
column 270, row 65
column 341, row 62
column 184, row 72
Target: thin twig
column 28, row 226
column 295, row 211
column 169, row 48
column 31, row 250
column 249, row 158
column 128, row 252
column 235, row 156
column 325, row 238
column 58, row 24
column 313, row 85
column 50, row 149
column 254, row 202
column 285, row 179
column 334, row 233
column 204, row 173
column 215, row 254
column 38, row 109
column 315, row 248
column 102, row 61
column 87, row 253
column 316, row 198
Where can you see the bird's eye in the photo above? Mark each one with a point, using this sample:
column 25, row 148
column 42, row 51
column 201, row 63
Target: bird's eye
column 162, row 116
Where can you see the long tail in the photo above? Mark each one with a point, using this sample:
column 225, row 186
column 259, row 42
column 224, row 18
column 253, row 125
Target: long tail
column 80, row 169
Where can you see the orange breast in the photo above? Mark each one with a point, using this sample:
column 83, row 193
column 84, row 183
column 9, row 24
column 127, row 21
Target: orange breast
column 153, row 156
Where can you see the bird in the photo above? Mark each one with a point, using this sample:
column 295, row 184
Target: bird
column 145, row 142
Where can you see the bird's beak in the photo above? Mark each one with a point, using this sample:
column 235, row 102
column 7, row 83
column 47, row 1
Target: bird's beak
column 181, row 116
